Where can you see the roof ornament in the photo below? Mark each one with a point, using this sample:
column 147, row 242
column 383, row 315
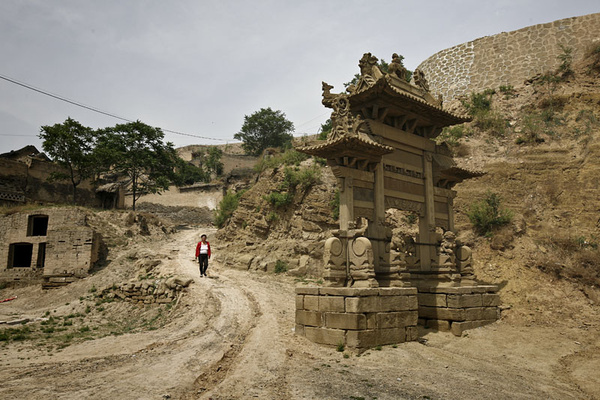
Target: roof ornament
column 396, row 68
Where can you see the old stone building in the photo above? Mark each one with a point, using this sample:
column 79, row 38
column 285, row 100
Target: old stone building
column 52, row 245
column 24, row 177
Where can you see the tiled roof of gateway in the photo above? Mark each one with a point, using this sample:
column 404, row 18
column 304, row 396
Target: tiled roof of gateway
column 385, row 85
column 348, row 143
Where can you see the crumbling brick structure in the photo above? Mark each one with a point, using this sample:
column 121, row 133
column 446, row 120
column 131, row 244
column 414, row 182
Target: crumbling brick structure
column 53, row 245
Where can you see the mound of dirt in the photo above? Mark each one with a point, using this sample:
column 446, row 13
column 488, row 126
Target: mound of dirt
column 179, row 215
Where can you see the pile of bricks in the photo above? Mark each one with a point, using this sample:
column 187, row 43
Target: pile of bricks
column 357, row 317
column 457, row 309
column 146, row 292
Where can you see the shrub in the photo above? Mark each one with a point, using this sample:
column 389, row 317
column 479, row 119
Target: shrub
column 479, row 107
column 566, row 59
column 279, row 200
column 492, row 122
column 487, row 214
column 280, row 266
column 593, row 55
column 335, row 205
column 340, row 347
column 272, row 217
column 226, row 207
column 304, row 177
column 451, row 135
column 508, row 91
column 479, row 102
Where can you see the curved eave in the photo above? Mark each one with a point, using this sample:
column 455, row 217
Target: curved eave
column 402, row 100
column 458, row 174
column 347, row 146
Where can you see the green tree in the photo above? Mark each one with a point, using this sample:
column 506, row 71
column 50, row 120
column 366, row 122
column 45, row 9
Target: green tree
column 263, row 129
column 325, row 129
column 213, row 162
column 188, row 174
column 138, row 151
column 70, row 145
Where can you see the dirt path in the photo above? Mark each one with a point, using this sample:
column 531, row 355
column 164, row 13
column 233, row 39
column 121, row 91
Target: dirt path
column 232, row 338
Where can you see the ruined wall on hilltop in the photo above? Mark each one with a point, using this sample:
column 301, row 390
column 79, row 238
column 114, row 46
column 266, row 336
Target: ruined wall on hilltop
column 508, row 58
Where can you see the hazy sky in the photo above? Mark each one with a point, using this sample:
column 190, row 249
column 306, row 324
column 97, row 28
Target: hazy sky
column 199, row 66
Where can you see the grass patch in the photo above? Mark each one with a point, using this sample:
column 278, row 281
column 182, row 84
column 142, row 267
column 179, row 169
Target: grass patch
column 280, row 267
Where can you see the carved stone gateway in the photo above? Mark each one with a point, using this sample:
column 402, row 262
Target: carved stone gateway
column 380, row 148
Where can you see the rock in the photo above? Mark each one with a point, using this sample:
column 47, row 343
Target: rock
column 173, row 282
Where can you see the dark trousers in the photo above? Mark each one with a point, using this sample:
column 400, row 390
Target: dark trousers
column 203, row 260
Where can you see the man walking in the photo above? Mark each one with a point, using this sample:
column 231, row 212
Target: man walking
column 203, row 254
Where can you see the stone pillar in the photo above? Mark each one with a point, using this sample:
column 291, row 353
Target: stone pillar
column 346, row 202
column 427, row 221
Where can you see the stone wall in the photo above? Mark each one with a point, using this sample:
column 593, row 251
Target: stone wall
column 148, row 291
column 358, row 318
column 457, row 309
column 508, row 58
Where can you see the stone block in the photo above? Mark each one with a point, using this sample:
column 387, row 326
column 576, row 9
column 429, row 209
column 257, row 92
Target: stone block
column 412, row 303
column 311, row 303
column 299, row 330
column 450, row 314
column 464, row 300
column 313, row 290
column 345, row 321
column 412, row 333
column 345, row 291
column 397, row 291
column 457, row 328
column 391, row 336
column 310, row 318
column 396, row 319
column 325, row 335
column 371, row 320
column 362, row 304
column 439, row 325
column 394, row 303
column 490, row 299
column 446, row 290
column 362, row 339
column 299, row 302
column 473, row 314
column 331, row 303
column 490, row 313
column 432, row 299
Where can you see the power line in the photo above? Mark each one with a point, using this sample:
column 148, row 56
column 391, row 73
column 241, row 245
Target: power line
column 310, row 120
column 94, row 109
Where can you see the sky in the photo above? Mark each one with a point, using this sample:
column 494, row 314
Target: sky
column 198, row 67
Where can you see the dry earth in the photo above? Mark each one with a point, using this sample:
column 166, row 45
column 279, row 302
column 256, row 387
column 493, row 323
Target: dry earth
column 231, row 337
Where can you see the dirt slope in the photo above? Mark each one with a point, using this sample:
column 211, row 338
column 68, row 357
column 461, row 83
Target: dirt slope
column 231, row 337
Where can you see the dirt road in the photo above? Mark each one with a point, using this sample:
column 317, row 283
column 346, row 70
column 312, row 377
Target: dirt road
column 231, row 337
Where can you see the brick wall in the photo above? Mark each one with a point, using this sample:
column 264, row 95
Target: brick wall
column 508, row 58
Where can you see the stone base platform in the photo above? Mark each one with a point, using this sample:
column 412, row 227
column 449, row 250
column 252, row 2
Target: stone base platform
column 357, row 317
column 457, row 309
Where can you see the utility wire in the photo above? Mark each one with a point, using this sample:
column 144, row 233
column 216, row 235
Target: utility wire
column 94, row 109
